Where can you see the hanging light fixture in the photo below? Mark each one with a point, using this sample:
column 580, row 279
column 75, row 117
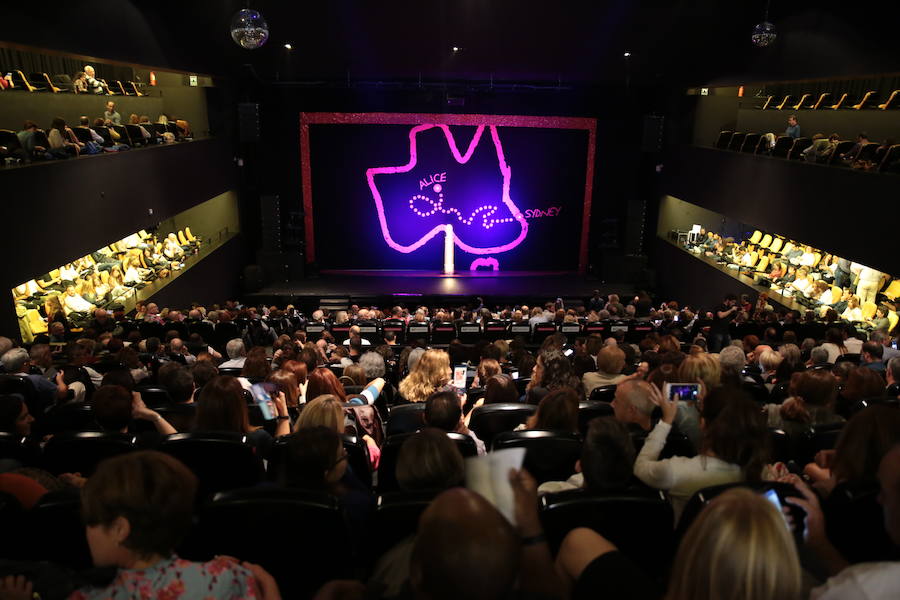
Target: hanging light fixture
column 249, row 29
column 764, row 33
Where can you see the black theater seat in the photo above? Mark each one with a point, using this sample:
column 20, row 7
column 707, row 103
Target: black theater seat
column 589, row 410
column 491, row 419
column 242, row 522
column 639, row 522
column 390, row 453
column 405, row 418
column 81, row 452
column 220, row 460
column 549, row 456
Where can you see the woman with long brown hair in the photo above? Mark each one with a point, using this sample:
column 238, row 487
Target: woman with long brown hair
column 222, row 408
column 431, row 374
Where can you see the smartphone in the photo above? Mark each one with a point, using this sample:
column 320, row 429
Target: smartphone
column 515, row 375
column 688, row 392
column 772, row 496
column 459, row 377
column 569, row 352
column 894, row 344
column 262, row 395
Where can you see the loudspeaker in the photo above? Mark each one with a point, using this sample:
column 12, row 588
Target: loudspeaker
column 654, row 131
column 248, row 122
column 280, row 266
column 270, row 220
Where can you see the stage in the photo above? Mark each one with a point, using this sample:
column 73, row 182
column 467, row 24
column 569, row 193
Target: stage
column 383, row 288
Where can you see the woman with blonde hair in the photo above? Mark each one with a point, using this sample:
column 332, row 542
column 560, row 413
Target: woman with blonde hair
column 325, row 411
column 700, row 367
column 431, row 374
column 740, row 548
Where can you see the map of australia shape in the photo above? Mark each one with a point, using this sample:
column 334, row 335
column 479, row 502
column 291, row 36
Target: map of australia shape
column 443, row 184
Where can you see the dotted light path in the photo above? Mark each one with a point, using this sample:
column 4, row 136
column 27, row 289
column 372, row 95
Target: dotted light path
column 488, row 210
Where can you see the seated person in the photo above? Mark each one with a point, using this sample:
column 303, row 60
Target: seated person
column 811, row 403
column 75, row 303
column 133, row 119
column 172, row 249
column 853, row 312
column 137, row 507
column 802, row 283
column 880, row 322
column 26, row 138
column 442, row 411
column 557, row 411
column 429, row 460
column 606, row 463
column 732, row 447
column 61, row 140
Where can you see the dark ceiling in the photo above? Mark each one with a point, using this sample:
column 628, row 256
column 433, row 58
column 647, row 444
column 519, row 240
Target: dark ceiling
column 568, row 41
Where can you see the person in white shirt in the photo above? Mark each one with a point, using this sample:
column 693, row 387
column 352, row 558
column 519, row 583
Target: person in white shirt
column 75, row 303
column 236, row 355
column 68, row 273
column 808, row 257
column 853, row 312
column 732, row 447
column 868, row 285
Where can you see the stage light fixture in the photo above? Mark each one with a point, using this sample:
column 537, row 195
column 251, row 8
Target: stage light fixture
column 456, row 48
column 627, row 55
column 249, row 29
column 288, row 46
column 763, row 33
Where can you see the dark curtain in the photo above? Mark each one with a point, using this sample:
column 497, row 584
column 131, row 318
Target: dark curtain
column 855, row 89
column 32, row 62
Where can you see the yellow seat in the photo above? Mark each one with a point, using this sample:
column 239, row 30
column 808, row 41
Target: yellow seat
column 803, row 99
column 868, row 310
column 787, row 248
column 893, row 319
column 757, row 235
column 182, row 240
column 817, row 258
column 776, row 244
column 783, row 103
column 104, row 276
column 892, row 290
column 762, row 264
column 836, row 293
column 767, row 239
column 890, row 101
column 768, row 102
column 865, row 99
column 819, row 102
column 143, row 234
column 839, row 103
column 37, row 323
column 754, row 256
column 189, row 235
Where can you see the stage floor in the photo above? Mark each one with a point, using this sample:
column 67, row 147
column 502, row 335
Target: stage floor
column 429, row 285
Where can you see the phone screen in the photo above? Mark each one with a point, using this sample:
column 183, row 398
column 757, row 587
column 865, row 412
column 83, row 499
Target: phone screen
column 262, row 396
column 569, row 352
column 894, row 344
column 687, row 392
column 459, row 377
column 515, row 375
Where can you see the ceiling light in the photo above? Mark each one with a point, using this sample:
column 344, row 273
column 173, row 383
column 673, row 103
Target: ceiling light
column 288, row 46
column 456, row 48
column 248, row 29
column 627, row 55
column 763, row 33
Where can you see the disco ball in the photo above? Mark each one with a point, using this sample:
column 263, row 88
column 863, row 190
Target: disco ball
column 763, row 34
column 248, row 29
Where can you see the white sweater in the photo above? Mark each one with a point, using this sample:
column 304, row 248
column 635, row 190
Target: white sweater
column 680, row 476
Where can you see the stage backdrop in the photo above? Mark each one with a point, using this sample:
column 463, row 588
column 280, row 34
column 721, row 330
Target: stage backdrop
column 379, row 190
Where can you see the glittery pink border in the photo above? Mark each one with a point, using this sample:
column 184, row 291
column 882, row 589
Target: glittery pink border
column 307, row 119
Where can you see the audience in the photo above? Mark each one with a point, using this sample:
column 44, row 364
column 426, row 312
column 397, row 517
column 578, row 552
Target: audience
column 107, row 359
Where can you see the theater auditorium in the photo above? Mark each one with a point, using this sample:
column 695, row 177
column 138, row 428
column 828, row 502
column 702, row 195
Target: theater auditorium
column 449, row 299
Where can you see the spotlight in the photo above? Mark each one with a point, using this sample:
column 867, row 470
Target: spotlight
column 627, row 55
column 456, row 48
column 288, row 46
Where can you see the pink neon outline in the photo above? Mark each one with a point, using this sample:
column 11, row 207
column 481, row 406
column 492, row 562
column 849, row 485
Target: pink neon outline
column 461, row 159
column 485, row 262
column 381, row 118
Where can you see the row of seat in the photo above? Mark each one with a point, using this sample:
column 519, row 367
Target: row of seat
column 62, row 83
column 792, row 148
column 824, row 101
